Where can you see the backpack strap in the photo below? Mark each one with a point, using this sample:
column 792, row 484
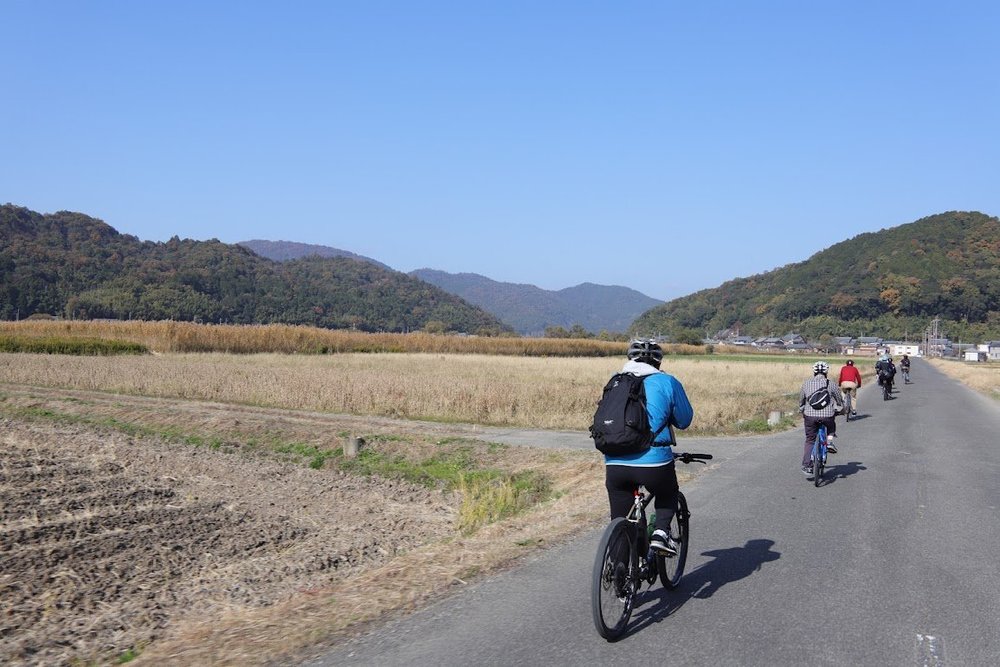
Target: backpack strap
column 658, row 432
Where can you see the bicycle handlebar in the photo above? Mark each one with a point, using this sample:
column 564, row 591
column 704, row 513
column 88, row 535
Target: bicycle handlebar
column 687, row 457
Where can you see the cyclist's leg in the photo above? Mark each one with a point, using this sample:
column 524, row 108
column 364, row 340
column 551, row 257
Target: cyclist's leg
column 662, row 482
column 811, row 426
column 620, row 483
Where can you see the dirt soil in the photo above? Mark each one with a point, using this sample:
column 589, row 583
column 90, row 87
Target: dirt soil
column 115, row 543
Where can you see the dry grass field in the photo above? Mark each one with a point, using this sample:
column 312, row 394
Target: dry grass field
column 729, row 396
column 983, row 377
column 197, row 508
column 169, row 336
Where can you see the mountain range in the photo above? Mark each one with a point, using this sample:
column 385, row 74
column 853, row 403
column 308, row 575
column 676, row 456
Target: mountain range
column 528, row 309
column 890, row 283
column 531, row 310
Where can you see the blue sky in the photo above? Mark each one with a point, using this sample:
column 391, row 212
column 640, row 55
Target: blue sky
column 664, row 146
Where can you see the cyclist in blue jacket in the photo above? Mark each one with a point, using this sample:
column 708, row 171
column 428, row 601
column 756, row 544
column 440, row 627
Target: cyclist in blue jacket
column 666, row 403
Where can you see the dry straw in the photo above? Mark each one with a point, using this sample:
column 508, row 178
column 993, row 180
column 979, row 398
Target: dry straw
column 532, row 392
column 983, row 377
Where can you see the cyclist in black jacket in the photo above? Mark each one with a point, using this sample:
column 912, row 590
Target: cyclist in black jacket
column 886, row 371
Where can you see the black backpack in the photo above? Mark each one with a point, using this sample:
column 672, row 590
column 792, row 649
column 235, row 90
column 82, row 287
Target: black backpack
column 621, row 423
column 820, row 398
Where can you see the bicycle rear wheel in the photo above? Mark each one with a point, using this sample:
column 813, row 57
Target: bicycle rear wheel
column 671, row 568
column 817, row 462
column 614, row 584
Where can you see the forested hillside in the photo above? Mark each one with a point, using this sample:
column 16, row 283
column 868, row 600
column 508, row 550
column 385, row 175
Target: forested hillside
column 72, row 265
column 531, row 310
column 283, row 251
column 888, row 283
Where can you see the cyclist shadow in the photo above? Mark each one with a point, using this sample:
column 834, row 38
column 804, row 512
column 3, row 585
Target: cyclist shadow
column 842, row 471
column 726, row 566
column 857, row 418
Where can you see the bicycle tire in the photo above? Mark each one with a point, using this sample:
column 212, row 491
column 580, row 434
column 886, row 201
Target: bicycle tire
column 671, row 568
column 614, row 582
column 817, row 457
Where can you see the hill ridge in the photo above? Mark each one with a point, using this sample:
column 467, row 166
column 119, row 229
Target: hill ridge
column 894, row 280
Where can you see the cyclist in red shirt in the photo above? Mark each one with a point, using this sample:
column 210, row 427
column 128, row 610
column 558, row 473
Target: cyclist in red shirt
column 850, row 382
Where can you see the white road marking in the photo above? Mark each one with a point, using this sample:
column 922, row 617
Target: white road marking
column 930, row 651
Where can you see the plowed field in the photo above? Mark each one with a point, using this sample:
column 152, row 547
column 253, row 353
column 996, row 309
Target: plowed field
column 113, row 545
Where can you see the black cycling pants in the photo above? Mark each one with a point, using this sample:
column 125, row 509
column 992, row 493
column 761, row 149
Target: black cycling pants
column 661, row 481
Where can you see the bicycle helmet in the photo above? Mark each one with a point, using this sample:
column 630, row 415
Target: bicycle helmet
column 646, row 351
column 821, row 367
column 850, row 362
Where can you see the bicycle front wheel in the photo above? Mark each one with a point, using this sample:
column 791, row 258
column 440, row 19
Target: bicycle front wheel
column 671, row 568
column 615, row 581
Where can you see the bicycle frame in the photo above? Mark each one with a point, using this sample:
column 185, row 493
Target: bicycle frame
column 637, row 517
column 819, row 452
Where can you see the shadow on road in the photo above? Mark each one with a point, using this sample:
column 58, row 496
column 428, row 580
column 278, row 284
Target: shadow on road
column 857, row 418
column 841, row 471
column 726, row 566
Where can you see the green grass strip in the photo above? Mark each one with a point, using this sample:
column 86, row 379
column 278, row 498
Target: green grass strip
column 70, row 346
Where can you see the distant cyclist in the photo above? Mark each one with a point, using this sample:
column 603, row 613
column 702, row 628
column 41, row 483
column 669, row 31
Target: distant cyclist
column 813, row 417
column 904, row 366
column 886, row 371
column 667, row 405
column 850, row 382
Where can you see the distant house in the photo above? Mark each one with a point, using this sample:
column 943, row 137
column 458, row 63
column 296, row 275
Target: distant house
column 793, row 339
column 770, row 343
column 867, row 345
column 793, row 342
column 740, row 340
column 899, row 349
column 844, row 343
column 993, row 350
column 973, row 354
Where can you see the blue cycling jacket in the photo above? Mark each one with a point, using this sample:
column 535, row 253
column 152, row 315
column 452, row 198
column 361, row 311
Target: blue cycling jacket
column 666, row 402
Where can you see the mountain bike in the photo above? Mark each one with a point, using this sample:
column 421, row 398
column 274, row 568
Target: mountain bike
column 624, row 560
column 906, row 374
column 818, row 456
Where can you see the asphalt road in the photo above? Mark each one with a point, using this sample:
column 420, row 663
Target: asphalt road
column 892, row 561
